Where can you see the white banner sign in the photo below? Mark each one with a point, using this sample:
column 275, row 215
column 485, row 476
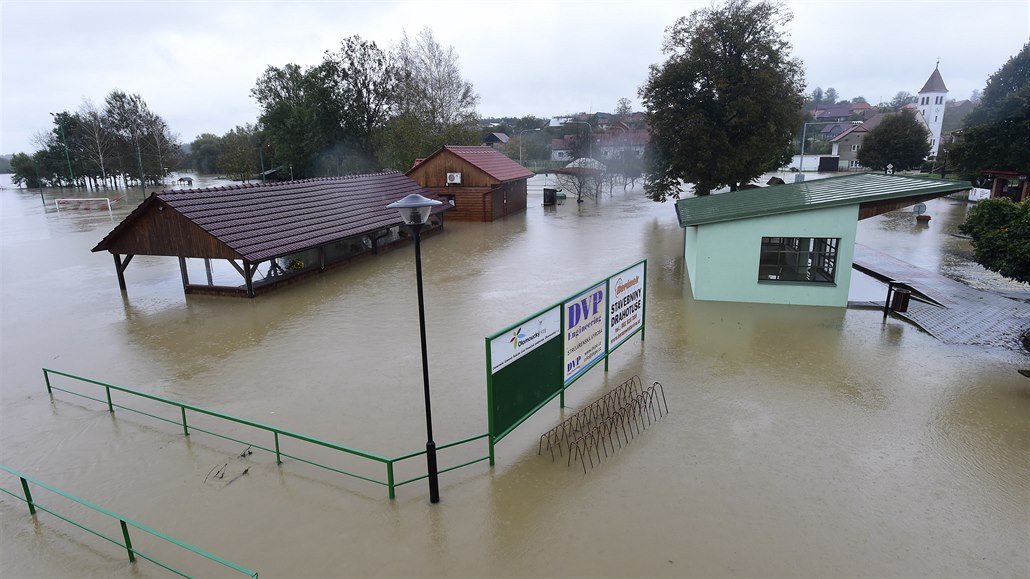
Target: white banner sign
column 511, row 346
column 626, row 309
column 584, row 330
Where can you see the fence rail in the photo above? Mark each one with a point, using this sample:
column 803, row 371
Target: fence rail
column 276, row 432
column 123, row 521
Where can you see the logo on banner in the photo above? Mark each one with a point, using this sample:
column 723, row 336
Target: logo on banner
column 516, row 337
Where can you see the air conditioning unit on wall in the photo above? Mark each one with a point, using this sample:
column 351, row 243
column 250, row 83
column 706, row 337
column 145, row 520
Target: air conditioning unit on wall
column 454, row 178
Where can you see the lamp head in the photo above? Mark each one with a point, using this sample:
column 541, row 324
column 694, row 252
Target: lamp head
column 414, row 208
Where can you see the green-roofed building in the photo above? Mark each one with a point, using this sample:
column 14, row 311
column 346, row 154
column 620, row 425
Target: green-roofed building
column 789, row 244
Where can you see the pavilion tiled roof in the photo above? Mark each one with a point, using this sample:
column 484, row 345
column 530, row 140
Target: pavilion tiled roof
column 262, row 221
column 490, row 161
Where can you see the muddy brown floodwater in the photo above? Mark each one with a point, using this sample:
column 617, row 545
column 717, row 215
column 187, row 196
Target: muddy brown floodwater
column 801, row 441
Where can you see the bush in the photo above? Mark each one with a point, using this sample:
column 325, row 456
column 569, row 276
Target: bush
column 1001, row 236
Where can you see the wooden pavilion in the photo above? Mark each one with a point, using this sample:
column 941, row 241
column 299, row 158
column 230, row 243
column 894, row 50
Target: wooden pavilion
column 272, row 234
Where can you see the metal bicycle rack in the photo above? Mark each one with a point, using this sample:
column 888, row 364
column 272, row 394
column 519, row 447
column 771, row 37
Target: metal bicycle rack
column 617, row 417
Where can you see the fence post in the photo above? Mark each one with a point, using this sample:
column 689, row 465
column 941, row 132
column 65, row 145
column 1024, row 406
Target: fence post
column 46, row 377
column 128, row 541
column 185, row 430
column 110, row 407
column 28, row 495
column 389, row 479
column 278, row 460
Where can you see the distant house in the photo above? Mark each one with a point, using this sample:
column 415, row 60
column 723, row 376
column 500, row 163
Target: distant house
column 847, row 144
column 494, row 139
column 562, row 149
column 617, row 141
column 793, row 243
column 833, row 113
column 479, row 182
column 271, row 234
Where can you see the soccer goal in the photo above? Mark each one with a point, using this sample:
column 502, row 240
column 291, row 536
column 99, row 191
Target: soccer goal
column 88, row 203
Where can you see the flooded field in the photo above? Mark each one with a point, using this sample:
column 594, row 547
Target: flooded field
column 801, row 441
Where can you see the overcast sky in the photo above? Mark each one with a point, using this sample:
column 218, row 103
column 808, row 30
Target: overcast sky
column 195, row 62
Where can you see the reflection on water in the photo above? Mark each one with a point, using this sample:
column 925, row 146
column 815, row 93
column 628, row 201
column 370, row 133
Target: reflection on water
column 801, row 441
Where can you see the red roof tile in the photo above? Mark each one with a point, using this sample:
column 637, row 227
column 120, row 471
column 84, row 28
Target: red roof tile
column 490, row 161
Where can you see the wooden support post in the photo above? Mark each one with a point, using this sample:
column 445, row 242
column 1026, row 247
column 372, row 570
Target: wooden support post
column 185, row 275
column 321, row 257
column 121, row 272
column 249, row 277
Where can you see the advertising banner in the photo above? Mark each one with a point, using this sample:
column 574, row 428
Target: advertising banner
column 626, row 305
column 584, row 331
column 521, row 340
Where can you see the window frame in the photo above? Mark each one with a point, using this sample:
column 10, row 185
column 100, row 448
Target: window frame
column 799, row 260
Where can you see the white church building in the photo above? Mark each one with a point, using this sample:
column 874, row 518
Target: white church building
column 928, row 109
column 932, row 97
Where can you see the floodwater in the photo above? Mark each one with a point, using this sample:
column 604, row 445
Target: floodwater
column 801, row 441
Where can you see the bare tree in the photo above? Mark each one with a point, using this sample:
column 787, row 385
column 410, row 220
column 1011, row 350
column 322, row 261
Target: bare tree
column 97, row 137
column 432, row 88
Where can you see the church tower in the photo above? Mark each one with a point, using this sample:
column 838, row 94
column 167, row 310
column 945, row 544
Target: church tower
column 931, row 104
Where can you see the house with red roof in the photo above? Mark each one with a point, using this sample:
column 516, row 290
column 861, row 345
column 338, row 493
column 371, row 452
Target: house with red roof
column 479, row 182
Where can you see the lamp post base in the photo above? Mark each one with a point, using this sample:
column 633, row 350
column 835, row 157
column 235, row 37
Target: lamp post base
column 434, row 480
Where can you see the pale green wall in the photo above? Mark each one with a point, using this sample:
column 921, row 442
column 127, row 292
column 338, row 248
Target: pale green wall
column 722, row 258
column 690, row 251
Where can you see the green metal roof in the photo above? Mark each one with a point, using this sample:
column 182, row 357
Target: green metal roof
column 833, row 192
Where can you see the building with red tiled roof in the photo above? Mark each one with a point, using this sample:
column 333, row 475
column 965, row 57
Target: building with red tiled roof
column 270, row 234
column 481, row 183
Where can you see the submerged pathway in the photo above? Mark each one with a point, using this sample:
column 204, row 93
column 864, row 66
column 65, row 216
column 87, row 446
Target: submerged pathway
column 961, row 314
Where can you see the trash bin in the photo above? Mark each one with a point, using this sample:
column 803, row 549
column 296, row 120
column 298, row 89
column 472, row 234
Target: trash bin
column 550, row 196
column 899, row 303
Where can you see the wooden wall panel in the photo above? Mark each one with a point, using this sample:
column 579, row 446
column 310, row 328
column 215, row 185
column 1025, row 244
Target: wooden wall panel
column 164, row 231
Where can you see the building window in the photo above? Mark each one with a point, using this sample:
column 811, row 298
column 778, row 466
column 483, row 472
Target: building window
column 856, row 147
column 798, row 259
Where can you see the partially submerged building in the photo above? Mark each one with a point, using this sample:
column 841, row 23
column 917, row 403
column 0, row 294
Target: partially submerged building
column 793, row 243
column 271, row 234
column 479, row 182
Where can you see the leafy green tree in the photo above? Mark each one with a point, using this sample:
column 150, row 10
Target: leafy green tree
column 900, row 140
column 204, row 153
column 817, row 96
column 362, row 81
column 624, row 107
column 1001, row 236
column 25, row 171
column 830, row 96
column 900, row 100
column 294, row 116
column 129, row 116
column 239, row 157
column 997, row 132
column 723, row 108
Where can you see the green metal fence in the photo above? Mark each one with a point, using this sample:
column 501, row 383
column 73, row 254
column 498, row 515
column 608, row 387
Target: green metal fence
column 277, row 433
column 124, row 522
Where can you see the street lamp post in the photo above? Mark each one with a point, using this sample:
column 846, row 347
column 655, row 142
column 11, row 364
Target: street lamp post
column 414, row 210
column 64, row 141
column 522, row 132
